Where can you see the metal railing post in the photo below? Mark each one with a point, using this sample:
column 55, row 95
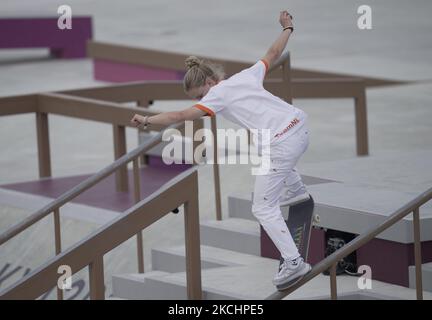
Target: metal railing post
column 333, row 283
column 192, row 242
column 216, row 170
column 121, row 175
column 57, row 237
column 361, row 123
column 42, row 132
column 96, row 279
column 144, row 103
column 137, row 195
column 417, row 254
column 286, row 76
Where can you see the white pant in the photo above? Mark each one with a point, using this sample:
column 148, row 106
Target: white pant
column 268, row 189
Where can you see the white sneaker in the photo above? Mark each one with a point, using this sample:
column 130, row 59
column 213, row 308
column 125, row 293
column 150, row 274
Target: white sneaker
column 289, row 271
column 290, row 198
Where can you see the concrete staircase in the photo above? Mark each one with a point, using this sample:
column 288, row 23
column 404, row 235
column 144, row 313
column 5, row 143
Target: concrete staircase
column 232, row 268
column 234, row 234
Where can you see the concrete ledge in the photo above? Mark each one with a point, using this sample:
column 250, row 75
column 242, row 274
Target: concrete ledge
column 241, row 207
column 36, row 32
column 233, row 234
column 356, row 208
column 426, row 276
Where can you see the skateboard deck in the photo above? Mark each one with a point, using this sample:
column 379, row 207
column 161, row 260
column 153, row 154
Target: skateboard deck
column 300, row 220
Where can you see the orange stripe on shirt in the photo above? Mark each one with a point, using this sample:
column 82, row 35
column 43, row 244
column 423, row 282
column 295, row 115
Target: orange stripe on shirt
column 205, row 109
column 266, row 64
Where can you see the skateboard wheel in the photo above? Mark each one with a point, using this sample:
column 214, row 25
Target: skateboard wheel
column 316, row 218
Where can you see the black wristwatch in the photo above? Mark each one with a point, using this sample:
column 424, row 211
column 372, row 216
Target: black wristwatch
column 290, row 27
column 145, row 124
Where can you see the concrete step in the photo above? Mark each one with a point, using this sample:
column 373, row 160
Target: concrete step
column 173, row 259
column 233, row 234
column 157, row 285
column 240, row 207
column 426, row 276
column 131, row 286
column 175, row 285
column 253, row 282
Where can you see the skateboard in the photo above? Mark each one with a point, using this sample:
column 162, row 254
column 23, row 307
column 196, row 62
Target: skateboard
column 301, row 217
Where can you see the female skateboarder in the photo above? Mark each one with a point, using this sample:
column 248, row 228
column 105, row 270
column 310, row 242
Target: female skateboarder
column 242, row 99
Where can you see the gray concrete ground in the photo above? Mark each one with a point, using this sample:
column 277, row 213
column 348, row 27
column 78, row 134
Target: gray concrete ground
column 326, row 38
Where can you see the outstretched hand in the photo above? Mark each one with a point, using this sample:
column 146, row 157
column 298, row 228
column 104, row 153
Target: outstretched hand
column 285, row 19
column 137, row 120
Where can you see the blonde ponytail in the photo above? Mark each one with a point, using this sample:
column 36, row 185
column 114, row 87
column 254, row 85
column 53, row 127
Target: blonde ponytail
column 192, row 61
column 198, row 70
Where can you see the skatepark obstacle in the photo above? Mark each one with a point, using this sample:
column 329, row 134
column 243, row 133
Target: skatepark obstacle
column 32, row 32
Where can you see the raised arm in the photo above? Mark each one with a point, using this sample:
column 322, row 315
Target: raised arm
column 167, row 118
column 275, row 51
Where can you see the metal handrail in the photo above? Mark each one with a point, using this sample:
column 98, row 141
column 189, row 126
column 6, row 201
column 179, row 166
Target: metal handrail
column 332, row 260
column 83, row 186
column 182, row 189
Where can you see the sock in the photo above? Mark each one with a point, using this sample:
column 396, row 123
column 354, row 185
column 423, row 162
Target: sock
column 295, row 261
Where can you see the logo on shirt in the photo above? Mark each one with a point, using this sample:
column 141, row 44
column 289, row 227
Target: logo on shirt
column 292, row 124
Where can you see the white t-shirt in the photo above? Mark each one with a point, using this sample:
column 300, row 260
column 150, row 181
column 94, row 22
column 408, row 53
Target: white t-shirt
column 243, row 100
